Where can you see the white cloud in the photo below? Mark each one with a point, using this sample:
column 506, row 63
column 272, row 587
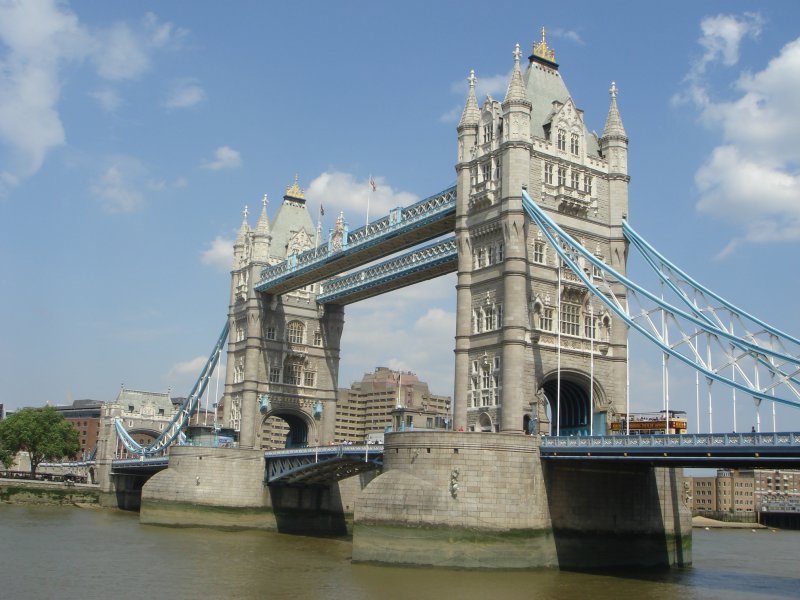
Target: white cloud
column 39, row 39
column 411, row 329
column 225, row 157
column 566, row 34
column 108, row 99
column 119, row 186
column 219, row 254
column 124, row 52
column 187, row 367
column 751, row 179
column 184, row 93
column 338, row 191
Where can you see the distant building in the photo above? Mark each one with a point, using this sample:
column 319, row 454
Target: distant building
column 388, row 400
column 747, row 493
column 382, row 400
column 84, row 415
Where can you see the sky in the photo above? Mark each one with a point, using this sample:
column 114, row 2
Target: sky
column 133, row 134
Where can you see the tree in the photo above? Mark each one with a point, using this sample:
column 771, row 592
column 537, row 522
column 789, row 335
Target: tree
column 43, row 433
column 6, row 458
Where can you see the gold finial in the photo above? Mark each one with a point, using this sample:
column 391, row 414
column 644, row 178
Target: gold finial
column 542, row 51
column 295, row 191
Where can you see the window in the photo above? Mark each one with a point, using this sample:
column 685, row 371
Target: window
column 498, row 313
column 548, row 173
column 270, row 332
column 562, row 176
column 488, row 318
column 562, row 139
column 309, row 379
column 574, row 144
column 293, row 372
column 486, row 171
column 546, row 319
column 497, row 168
column 274, row 374
column 477, row 321
column 538, row 252
column 575, row 179
column 590, row 323
column 318, row 338
column 295, row 332
column 570, row 318
column 481, row 258
column 500, row 250
column 240, row 331
column 587, row 184
column 487, row 133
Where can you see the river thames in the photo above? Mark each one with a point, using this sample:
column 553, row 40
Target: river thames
column 70, row 552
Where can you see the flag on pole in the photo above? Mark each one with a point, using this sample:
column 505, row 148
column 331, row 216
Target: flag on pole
column 372, row 183
column 321, row 210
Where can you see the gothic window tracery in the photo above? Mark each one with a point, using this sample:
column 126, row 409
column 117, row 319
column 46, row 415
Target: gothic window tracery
column 295, row 332
column 561, row 139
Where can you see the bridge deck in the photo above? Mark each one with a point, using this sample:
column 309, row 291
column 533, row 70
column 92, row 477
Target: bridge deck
column 402, row 229
column 761, row 450
column 321, row 465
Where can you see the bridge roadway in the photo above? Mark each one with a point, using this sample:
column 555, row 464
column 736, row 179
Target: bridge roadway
column 401, row 229
column 326, row 464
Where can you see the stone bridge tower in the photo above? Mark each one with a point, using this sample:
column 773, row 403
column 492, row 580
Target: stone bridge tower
column 283, row 351
column 516, row 305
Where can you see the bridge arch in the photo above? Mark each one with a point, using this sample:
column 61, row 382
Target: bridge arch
column 575, row 410
column 300, row 428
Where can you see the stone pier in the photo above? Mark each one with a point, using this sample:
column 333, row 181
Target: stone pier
column 488, row 501
column 225, row 487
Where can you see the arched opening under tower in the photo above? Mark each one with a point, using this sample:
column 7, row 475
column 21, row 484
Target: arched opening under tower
column 569, row 408
column 284, row 430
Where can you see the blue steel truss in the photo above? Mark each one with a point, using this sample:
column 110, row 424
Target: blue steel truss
column 174, row 430
column 408, row 222
column 692, row 334
column 420, row 264
column 322, row 465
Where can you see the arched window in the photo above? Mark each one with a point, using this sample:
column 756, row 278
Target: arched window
column 295, row 331
column 293, row 371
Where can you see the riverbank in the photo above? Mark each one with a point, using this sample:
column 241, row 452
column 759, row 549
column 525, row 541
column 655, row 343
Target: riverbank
column 699, row 522
column 15, row 491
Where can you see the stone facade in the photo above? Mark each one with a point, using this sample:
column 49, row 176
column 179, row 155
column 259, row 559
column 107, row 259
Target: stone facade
column 518, row 309
column 283, row 351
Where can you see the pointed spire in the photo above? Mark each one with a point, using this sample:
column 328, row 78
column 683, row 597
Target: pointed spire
column 471, row 114
column 262, row 227
column 614, row 127
column 245, row 228
column 516, row 88
column 542, row 53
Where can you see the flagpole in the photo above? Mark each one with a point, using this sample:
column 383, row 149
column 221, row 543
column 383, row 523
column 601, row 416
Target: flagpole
column 369, row 195
column 319, row 225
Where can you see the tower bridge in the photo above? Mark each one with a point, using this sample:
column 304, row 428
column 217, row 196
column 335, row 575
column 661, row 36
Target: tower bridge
column 540, row 244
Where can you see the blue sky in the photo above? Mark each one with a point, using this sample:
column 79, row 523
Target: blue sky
column 132, row 135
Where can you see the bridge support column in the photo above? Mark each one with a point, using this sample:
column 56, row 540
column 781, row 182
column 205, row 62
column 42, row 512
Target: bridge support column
column 489, row 501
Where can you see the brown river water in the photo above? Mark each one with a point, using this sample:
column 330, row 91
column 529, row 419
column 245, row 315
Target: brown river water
column 72, row 553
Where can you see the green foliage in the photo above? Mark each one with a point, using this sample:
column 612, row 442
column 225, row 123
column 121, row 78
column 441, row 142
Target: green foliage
column 6, row 458
column 41, row 432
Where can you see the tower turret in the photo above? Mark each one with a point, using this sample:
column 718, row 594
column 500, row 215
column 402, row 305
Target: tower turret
column 262, row 236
